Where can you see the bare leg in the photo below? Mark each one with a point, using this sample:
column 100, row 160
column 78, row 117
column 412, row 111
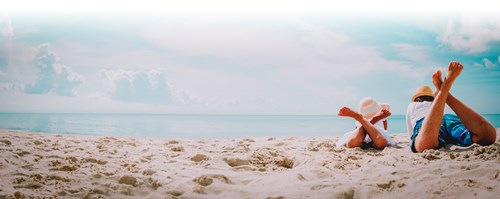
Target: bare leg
column 379, row 142
column 380, row 116
column 428, row 135
column 356, row 140
column 482, row 131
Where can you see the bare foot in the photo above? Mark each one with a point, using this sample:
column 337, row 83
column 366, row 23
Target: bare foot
column 348, row 112
column 384, row 113
column 454, row 70
column 437, row 81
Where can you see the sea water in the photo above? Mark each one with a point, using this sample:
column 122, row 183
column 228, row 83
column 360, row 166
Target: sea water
column 191, row 126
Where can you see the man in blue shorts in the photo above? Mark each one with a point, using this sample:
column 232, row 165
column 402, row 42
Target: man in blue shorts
column 430, row 128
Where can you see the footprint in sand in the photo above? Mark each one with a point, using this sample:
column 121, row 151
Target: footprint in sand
column 93, row 160
column 148, row 172
column 175, row 193
column 126, row 179
column 248, row 140
column 6, row 142
column 177, row 149
column 208, row 179
column 265, row 157
column 275, row 197
column 65, row 168
column 301, row 177
column 29, row 185
column 431, row 154
column 172, row 142
column 199, row 158
column 234, row 162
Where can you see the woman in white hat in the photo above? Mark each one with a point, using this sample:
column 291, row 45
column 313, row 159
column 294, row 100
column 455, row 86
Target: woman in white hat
column 370, row 128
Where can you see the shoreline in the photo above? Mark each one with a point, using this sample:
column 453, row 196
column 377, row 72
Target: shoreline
column 78, row 166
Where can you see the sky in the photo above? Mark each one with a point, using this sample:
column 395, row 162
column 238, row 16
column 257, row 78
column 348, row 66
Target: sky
column 241, row 57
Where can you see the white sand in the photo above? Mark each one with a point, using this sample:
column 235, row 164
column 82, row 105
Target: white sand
column 72, row 166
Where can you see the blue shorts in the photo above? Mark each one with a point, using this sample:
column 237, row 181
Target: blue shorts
column 452, row 131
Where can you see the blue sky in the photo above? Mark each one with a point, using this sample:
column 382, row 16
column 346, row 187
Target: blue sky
column 253, row 58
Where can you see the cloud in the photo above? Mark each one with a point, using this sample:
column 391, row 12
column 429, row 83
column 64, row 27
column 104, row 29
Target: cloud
column 291, row 46
column 277, row 64
column 487, row 64
column 149, row 87
column 6, row 33
column 22, row 102
column 471, row 34
column 6, row 29
column 477, row 65
column 53, row 77
column 415, row 53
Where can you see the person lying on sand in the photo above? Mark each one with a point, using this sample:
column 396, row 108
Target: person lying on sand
column 370, row 128
column 430, row 128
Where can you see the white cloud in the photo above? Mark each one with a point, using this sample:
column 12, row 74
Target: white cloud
column 290, row 45
column 11, row 87
column 53, row 77
column 284, row 62
column 478, row 65
column 6, row 29
column 4, row 86
column 22, row 102
column 225, row 40
column 148, row 87
column 472, row 33
column 414, row 53
column 488, row 63
column 276, row 65
column 6, row 33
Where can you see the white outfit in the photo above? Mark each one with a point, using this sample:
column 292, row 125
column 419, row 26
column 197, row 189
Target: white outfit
column 379, row 126
column 415, row 112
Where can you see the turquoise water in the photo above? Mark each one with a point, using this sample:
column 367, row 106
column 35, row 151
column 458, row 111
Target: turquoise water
column 191, row 126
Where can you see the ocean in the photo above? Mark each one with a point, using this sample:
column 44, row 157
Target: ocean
column 191, row 126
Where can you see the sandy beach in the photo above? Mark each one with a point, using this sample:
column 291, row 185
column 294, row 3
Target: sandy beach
column 75, row 166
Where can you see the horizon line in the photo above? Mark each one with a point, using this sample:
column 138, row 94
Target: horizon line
column 188, row 114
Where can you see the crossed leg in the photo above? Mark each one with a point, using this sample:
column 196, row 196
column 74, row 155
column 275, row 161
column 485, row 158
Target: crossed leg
column 427, row 138
column 482, row 131
column 367, row 128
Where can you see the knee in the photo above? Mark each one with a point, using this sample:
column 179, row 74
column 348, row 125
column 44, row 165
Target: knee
column 488, row 137
column 353, row 143
column 421, row 146
column 380, row 144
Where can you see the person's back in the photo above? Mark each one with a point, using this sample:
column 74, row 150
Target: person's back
column 415, row 112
